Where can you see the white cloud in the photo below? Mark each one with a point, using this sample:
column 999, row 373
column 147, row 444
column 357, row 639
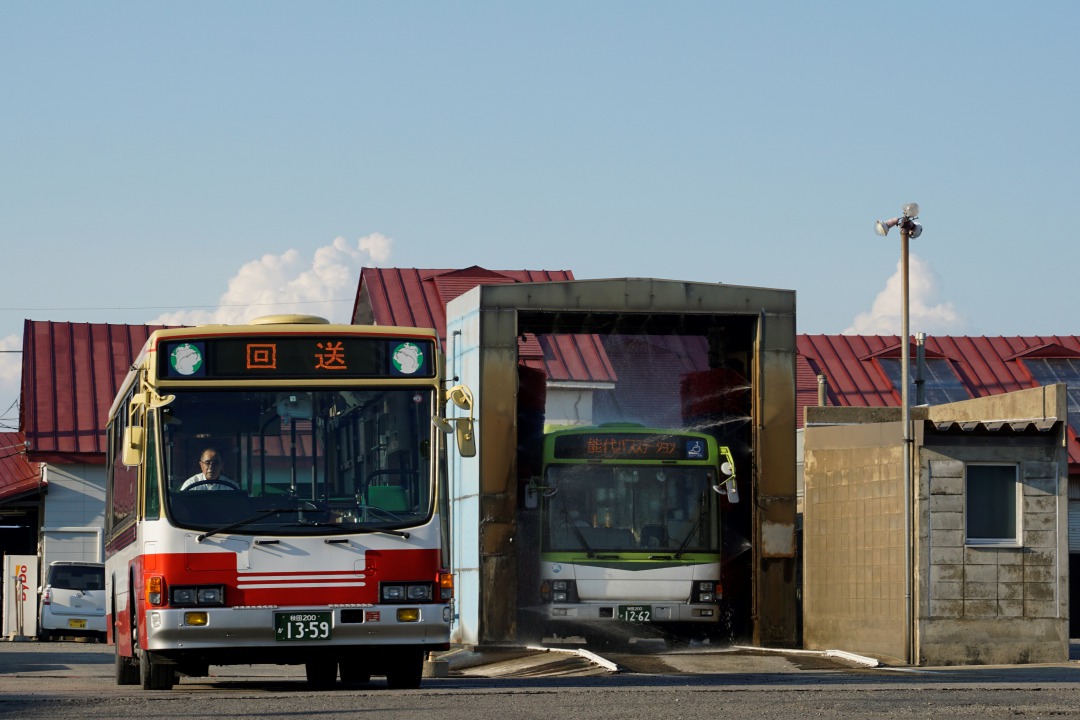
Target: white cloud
column 926, row 313
column 271, row 285
column 288, row 283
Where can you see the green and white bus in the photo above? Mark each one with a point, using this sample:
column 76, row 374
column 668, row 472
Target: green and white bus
column 630, row 526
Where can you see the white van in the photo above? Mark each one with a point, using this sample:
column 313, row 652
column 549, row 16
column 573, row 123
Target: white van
column 73, row 601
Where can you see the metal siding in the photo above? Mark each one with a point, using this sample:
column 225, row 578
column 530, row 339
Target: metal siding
column 71, row 372
column 420, row 304
column 529, row 346
column 17, row 474
column 572, row 358
column 806, row 384
column 88, row 435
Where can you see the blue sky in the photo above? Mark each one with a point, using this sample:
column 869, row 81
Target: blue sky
column 161, row 160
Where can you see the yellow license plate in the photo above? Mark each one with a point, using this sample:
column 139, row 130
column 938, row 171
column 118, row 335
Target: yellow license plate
column 77, row 624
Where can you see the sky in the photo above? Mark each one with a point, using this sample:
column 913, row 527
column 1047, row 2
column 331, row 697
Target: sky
column 216, row 161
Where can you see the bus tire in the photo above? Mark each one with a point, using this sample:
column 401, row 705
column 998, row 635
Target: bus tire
column 321, row 674
column 354, row 672
column 155, row 676
column 405, row 669
column 127, row 669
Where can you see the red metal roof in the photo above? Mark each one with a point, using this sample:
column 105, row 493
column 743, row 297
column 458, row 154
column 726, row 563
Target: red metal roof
column 18, row 476
column 985, row 366
column 71, row 372
column 417, row 297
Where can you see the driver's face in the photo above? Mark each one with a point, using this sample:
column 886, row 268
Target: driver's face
column 210, row 464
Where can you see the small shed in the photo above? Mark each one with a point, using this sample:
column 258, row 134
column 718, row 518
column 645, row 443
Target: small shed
column 983, row 577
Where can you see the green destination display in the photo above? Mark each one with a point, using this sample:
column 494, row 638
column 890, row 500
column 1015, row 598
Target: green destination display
column 295, row 357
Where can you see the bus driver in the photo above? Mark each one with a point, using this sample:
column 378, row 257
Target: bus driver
column 210, row 477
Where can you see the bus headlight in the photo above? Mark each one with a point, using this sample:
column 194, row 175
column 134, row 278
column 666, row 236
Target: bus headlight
column 406, row 592
column 559, row 591
column 191, row 595
column 707, row 591
column 417, row 593
column 211, row 596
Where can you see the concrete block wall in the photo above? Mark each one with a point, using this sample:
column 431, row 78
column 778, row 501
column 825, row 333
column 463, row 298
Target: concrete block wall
column 971, row 604
column 993, row 605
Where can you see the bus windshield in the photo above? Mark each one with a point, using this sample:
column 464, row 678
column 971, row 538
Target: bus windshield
column 630, row 508
column 298, row 462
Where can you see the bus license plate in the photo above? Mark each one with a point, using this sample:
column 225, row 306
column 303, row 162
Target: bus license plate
column 635, row 613
column 303, row 625
column 77, row 623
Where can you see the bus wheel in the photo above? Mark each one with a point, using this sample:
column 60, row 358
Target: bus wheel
column 321, row 674
column 127, row 669
column 405, row 668
column 155, row 676
column 354, row 672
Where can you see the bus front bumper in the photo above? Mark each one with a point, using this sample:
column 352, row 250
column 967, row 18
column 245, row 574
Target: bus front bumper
column 231, row 627
column 629, row 611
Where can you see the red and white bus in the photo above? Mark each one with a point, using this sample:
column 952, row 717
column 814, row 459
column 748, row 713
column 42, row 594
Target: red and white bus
column 277, row 495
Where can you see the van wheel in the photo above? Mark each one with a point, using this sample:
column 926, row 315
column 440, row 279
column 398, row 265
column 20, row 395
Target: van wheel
column 44, row 635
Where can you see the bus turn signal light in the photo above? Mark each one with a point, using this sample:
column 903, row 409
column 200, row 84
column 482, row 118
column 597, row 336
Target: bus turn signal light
column 155, row 590
column 446, row 586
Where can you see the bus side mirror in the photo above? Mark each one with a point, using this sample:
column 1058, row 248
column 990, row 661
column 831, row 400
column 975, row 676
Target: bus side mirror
column 464, row 428
column 727, row 486
column 466, row 439
column 134, row 444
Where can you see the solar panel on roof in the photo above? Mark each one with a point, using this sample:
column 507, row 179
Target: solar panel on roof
column 1048, row 371
column 941, row 384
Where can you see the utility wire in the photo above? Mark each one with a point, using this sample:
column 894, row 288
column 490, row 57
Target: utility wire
column 173, row 307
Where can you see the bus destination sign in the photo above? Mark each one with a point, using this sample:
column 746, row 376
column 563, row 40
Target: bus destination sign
column 628, row 446
column 295, row 357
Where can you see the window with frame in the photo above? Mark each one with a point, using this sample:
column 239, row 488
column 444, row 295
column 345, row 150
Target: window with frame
column 992, row 505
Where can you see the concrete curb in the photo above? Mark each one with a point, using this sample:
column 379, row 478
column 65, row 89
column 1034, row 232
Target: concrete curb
column 841, row 654
column 510, row 660
column 590, row 656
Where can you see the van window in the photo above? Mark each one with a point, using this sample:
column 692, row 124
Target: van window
column 77, row 577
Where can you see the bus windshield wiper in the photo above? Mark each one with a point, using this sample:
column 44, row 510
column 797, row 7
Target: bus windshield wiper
column 337, row 529
column 686, row 541
column 254, row 518
column 577, row 532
